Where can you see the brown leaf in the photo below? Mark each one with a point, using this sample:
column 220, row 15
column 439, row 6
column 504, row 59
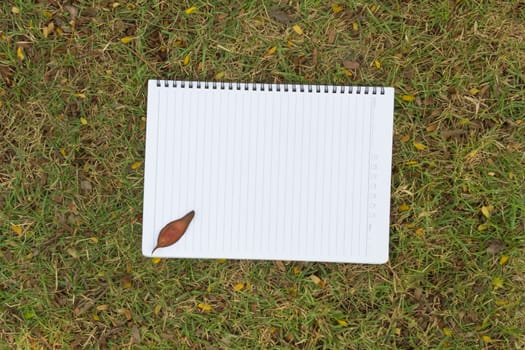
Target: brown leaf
column 280, row 16
column 73, row 11
column 90, row 12
column 495, row 246
column 280, row 265
column 173, row 231
column 331, row 37
column 351, row 64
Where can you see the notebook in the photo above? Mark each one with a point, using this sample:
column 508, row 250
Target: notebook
column 267, row 171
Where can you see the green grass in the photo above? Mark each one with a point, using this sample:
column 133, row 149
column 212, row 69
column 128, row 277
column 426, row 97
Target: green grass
column 74, row 276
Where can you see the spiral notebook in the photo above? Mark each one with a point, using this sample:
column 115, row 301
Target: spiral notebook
column 268, row 171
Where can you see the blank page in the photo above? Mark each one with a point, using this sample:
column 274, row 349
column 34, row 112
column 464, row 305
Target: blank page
column 272, row 171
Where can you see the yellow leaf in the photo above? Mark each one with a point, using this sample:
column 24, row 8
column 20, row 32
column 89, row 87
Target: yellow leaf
column 178, row 43
column 419, row 146
column 342, row 323
column 296, row 270
column 186, row 60
column 95, row 317
column 102, row 307
column 348, row 73
column 420, row 232
column 115, row 4
column 94, row 239
column 238, row 287
column 486, row 210
column 503, row 260
column 17, row 229
column 80, row 95
column 155, row 260
column 47, row 14
column 337, row 8
column 404, row 207
column 136, row 165
column 408, row 98
column 397, row 331
column 355, row 26
column 15, row 10
column 83, row 121
column 486, row 339
column 377, row 64
column 20, row 53
column 405, row 138
column 447, row 332
column 48, row 29
column 296, row 28
column 221, row 261
column 63, row 152
column 190, row 10
column 411, row 162
column 483, row 227
column 272, row 50
column 497, row 282
column 317, row 281
column 473, row 91
column 464, row 122
column 126, row 39
column 156, row 311
column 219, row 75
column 204, row 307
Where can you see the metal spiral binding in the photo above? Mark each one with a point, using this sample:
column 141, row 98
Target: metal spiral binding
column 365, row 90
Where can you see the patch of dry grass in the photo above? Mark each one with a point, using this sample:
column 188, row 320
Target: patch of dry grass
column 72, row 118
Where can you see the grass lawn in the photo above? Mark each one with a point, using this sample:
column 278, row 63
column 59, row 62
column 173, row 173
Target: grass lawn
column 72, row 125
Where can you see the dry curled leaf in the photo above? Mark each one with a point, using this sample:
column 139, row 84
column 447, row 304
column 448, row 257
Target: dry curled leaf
column 280, row 16
column 173, row 231
column 351, row 64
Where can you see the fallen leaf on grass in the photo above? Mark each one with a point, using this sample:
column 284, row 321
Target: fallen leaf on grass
column 204, row 307
column 155, row 260
column 20, row 53
column 408, row 98
column 495, row 246
column 497, row 283
column 15, row 10
column 296, row 28
column 17, row 229
column 503, row 260
column 342, row 323
column 405, row 138
column 135, row 165
column 355, row 26
column 219, row 75
column 377, row 63
column 126, row 39
column 272, row 50
column 404, row 207
column 337, row 8
column 190, row 10
column 238, row 287
column 317, row 281
column 486, row 339
column 83, row 121
column 447, row 332
column 419, row 146
column 280, row 16
column 486, row 210
column 351, row 64
column 186, row 60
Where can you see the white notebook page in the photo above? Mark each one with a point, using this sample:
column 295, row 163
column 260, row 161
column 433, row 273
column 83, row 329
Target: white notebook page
column 270, row 174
